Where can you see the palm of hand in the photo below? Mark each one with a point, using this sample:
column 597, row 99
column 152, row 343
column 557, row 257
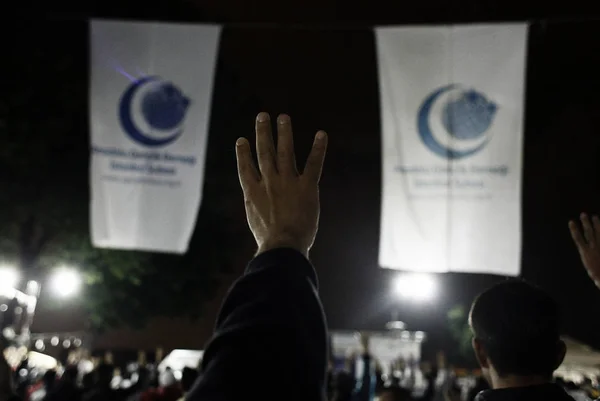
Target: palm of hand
column 587, row 240
column 591, row 262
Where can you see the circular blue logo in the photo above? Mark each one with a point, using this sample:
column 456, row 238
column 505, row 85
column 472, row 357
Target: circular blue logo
column 160, row 104
column 457, row 126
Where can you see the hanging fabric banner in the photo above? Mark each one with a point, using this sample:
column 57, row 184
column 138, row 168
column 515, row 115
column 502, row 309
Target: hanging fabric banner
column 452, row 118
column 151, row 90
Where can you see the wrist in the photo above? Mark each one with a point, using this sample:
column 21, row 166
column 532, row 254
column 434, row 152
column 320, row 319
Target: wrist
column 282, row 242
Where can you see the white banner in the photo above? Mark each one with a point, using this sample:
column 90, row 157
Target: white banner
column 151, row 90
column 452, row 115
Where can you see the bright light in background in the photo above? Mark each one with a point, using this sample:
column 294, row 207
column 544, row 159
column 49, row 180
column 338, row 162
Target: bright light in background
column 9, row 333
column 395, row 325
column 415, row 286
column 65, row 282
column 86, row 366
column 9, row 276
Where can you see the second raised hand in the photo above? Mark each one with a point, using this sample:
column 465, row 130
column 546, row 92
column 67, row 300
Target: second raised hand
column 587, row 241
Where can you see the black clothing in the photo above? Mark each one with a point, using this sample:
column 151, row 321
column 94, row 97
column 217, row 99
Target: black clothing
column 544, row 392
column 344, row 385
column 270, row 340
column 65, row 391
column 480, row 385
column 105, row 394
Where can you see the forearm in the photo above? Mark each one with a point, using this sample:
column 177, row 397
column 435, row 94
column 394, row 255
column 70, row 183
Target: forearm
column 271, row 328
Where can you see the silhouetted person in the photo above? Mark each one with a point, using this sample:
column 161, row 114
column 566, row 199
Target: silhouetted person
column 66, row 389
column 188, row 378
column 7, row 391
column 429, row 376
column 49, row 380
column 102, row 390
column 364, row 369
column 169, row 389
column 329, row 389
column 21, row 382
column 87, row 382
column 141, row 385
column 516, row 329
column 343, row 386
column 272, row 315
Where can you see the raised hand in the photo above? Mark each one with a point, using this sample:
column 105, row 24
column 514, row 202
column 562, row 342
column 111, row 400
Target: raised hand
column 588, row 244
column 282, row 205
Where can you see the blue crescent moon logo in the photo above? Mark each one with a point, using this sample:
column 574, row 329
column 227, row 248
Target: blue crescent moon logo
column 472, row 110
column 131, row 128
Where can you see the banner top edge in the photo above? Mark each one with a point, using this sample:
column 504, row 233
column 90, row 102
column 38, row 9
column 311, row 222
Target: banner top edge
column 153, row 22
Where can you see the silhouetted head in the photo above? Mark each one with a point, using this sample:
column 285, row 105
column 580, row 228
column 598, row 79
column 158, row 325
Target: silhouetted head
column 144, row 377
column 516, row 333
column 70, row 374
column 167, row 378
column 49, row 378
column 104, row 374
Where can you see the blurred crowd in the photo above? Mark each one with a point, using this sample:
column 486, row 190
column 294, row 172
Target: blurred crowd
column 104, row 383
column 361, row 378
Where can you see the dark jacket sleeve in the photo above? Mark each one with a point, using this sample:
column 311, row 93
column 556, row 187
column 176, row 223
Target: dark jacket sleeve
column 270, row 341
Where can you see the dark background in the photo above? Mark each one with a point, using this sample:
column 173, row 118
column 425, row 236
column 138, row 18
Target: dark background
column 316, row 61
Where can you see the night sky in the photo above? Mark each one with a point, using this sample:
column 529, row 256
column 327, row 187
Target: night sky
column 327, row 79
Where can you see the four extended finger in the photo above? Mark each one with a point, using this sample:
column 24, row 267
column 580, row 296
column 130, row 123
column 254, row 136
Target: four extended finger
column 314, row 164
column 596, row 226
column 286, row 159
column 588, row 230
column 247, row 172
column 576, row 234
column 265, row 149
